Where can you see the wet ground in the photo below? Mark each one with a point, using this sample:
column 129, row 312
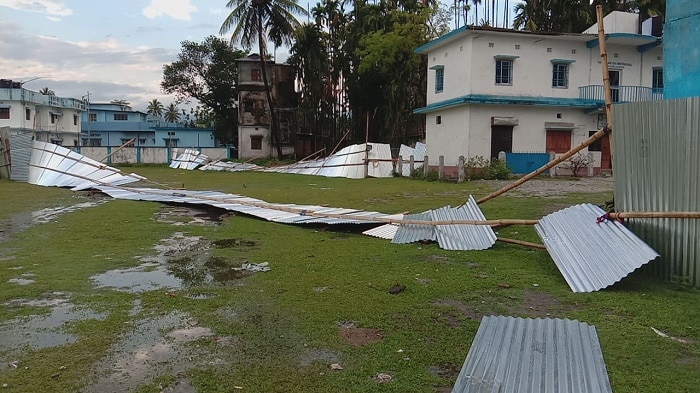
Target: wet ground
column 21, row 221
column 152, row 344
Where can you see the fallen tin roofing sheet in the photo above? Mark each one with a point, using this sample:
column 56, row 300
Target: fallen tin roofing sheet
column 418, row 154
column 348, row 162
column 386, row 231
column 229, row 166
column 53, row 165
column 189, row 159
column 591, row 255
column 449, row 237
column 277, row 212
column 512, row 355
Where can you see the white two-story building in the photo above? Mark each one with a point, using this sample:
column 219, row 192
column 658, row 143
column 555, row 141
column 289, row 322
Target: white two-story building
column 491, row 90
column 53, row 119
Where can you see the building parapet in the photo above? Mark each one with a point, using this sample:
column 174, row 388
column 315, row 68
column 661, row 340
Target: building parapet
column 33, row 97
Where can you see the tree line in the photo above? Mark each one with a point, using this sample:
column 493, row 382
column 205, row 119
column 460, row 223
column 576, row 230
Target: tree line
column 359, row 76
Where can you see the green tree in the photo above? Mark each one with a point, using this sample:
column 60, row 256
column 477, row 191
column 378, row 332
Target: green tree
column 257, row 21
column 207, row 72
column 47, row 92
column 172, row 113
column 155, row 108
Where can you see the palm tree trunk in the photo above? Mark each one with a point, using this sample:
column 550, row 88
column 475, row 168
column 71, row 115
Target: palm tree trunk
column 274, row 130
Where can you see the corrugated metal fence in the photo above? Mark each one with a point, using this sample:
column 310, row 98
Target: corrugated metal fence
column 657, row 168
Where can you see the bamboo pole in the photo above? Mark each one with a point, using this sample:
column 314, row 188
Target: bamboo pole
column 117, row 149
column 521, row 243
column 654, row 215
column 606, row 74
column 599, row 134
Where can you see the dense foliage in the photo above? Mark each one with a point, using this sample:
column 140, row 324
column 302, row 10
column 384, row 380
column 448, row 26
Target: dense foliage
column 207, row 72
column 574, row 16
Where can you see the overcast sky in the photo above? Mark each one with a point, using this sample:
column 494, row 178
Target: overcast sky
column 113, row 49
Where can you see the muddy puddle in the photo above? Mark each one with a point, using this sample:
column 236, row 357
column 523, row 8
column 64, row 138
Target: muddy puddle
column 187, row 215
column 181, row 261
column 40, row 331
column 154, row 346
column 21, row 221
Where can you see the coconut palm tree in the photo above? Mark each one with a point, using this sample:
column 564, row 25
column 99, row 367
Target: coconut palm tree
column 47, row 92
column 257, row 21
column 172, row 113
column 155, row 108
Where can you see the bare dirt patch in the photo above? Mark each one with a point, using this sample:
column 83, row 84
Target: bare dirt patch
column 533, row 304
column 358, row 336
column 554, row 188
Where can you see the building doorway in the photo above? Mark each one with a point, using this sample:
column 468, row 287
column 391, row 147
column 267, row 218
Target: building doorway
column 501, row 140
column 558, row 141
column 614, row 77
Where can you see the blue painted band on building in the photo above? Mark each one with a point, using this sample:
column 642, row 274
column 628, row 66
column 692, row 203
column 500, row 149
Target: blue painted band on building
column 509, row 100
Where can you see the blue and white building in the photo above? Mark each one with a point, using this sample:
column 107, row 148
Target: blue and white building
column 112, row 124
column 53, row 119
column 492, row 90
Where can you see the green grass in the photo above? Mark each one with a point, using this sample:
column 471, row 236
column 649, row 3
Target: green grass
column 282, row 326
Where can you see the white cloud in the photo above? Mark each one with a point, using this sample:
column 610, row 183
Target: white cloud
column 50, row 7
column 176, row 9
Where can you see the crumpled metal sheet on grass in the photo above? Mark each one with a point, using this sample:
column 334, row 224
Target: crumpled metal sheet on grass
column 276, row 212
column 53, row 165
column 189, row 159
column 348, row 162
column 590, row 255
column 513, row 355
column 449, row 237
column 229, row 166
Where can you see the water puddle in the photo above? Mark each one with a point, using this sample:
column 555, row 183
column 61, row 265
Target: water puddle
column 188, row 215
column 180, row 262
column 162, row 345
column 40, row 331
column 21, row 221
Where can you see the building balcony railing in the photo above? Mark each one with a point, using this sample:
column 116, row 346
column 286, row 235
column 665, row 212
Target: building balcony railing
column 33, row 97
column 620, row 93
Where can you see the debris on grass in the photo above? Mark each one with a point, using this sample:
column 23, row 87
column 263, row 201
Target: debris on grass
column 336, row 366
column 396, row 289
column 382, row 378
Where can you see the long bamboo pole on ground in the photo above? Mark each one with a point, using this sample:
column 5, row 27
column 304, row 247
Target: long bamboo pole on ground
column 521, row 243
column 605, row 130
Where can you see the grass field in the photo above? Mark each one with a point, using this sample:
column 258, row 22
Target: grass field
column 324, row 301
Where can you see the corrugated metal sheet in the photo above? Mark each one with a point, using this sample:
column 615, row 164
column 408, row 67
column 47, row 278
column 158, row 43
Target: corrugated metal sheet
column 347, row 162
column 55, row 166
column 229, row 166
column 410, row 233
column 418, row 154
column 449, row 237
column 189, row 159
column 277, row 212
column 591, row 255
column 657, row 167
column 387, row 231
column 516, row 355
column 20, row 152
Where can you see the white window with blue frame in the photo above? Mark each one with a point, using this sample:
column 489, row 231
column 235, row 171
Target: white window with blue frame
column 504, row 69
column 439, row 78
column 560, row 73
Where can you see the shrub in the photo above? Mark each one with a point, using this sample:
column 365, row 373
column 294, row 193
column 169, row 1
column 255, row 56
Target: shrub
column 479, row 167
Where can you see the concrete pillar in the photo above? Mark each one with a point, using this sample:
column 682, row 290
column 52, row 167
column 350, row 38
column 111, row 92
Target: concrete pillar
column 441, row 167
column 460, row 169
column 399, row 166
